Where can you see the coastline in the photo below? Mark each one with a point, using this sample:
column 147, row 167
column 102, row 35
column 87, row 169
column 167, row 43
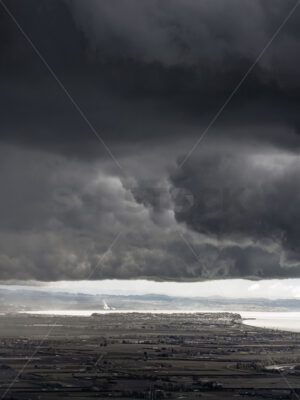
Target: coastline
column 283, row 321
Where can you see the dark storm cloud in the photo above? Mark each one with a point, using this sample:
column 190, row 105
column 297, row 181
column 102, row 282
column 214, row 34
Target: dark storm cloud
column 246, row 195
column 59, row 220
column 59, row 217
column 149, row 75
column 144, row 70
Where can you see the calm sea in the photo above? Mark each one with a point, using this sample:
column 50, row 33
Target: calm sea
column 289, row 321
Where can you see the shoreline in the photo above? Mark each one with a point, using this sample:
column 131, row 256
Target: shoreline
column 277, row 321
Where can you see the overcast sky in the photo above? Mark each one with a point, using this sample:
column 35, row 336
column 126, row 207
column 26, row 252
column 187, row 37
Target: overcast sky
column 101, row 104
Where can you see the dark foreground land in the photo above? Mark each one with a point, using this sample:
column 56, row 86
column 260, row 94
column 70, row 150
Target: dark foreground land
column 146, row 356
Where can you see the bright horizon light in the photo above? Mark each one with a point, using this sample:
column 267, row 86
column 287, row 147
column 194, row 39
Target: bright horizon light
column 231, row 288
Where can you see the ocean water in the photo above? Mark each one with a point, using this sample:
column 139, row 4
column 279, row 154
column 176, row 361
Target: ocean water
column 285, row 320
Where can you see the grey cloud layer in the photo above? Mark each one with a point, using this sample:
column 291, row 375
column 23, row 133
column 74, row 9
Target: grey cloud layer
column 59, row 217
column 149, row 75
column 187, row 32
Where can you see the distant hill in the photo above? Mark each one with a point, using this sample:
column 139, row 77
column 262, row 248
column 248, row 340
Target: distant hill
column 28, row 300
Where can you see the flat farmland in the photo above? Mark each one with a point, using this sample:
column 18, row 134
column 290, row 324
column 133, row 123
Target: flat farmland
column 147, row 356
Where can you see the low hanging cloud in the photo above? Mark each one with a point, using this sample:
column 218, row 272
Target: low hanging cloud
column 60, row 217
column 248, row 199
